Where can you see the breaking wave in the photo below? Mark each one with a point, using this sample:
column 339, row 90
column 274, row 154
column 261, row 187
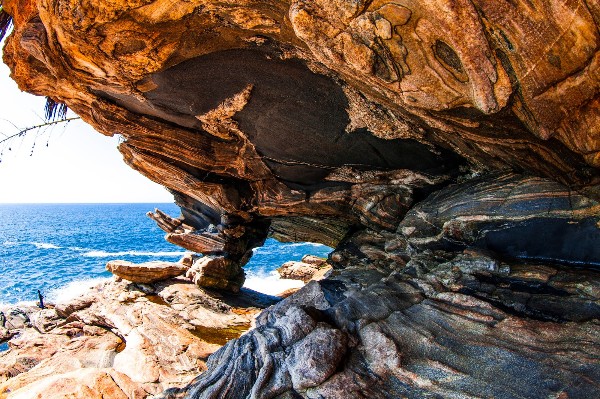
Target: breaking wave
column 271, row 283
column 73, row 289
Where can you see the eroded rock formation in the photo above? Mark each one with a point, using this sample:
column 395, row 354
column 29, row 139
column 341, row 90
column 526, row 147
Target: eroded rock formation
column 401, row 133
column 463, row 326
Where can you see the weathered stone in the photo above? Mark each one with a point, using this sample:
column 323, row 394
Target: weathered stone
column 148, row 272
column 188, row 259
column 65, row 309
column 410, row 326
column 18, row 317
column 316, row 357
column 524, row 217
column 154, row 340
column 314, row 260
column 304, row 271
column 6, row 334
column 216, row 272
column 46, row 320
column 86, row 383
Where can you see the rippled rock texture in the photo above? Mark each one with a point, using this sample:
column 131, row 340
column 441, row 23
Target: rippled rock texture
column 463, row 325
column 402, row 134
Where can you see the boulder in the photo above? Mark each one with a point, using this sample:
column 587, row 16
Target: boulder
column 314, row 260
column 216, row 272
column 304, row 271
column 65, row 309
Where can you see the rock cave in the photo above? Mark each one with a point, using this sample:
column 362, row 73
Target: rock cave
column 448, row 150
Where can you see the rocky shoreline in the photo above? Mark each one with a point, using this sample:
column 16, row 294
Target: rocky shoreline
column 121, row 339
column 446, row 322
column 147, row 330
column 171, row 339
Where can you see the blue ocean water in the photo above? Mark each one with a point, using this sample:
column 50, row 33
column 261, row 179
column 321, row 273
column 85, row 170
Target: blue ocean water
column 54, row 247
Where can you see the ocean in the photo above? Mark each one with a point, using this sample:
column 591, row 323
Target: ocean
column 62, row 249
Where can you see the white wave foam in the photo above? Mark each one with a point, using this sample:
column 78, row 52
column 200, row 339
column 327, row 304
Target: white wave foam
column 271, row 284
column 79, row 249
column 303, row 244
column 44, row 245
column 104, row 254
column 5, row 306
column 10, row 243
column 73, row 289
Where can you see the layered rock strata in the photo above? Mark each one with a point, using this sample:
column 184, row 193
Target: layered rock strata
column 400, row 133
column 306, row 120
column 450, row 325
column 437, row 314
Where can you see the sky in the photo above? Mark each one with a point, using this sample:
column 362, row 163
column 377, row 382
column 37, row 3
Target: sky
column 65, row 164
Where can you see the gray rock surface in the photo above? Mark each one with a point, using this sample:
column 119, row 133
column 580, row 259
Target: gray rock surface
column 431, row 330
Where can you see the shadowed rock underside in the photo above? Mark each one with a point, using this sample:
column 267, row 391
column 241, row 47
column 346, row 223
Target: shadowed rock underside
column 448, row 150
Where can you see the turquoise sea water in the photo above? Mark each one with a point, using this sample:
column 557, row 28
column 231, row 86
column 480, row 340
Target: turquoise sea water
column 61, row 247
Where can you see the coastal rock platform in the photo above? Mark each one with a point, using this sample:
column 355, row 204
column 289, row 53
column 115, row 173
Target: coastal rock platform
column 121, row 340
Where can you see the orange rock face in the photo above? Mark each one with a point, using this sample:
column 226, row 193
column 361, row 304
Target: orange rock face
column 120, row 340
column 258, row 110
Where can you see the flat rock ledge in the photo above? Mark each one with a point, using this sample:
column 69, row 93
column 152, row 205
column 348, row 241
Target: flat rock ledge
column 148, row 272
column 120, row 340
column 214, row 272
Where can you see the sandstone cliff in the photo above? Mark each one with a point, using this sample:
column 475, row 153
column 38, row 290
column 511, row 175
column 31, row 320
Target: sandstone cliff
column 449, row 150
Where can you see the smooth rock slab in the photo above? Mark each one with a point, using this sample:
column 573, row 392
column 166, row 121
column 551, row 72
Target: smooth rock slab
column 88, row 383
column 148, row 272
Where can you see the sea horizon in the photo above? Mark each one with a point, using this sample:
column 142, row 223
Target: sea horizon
column 62, row 248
